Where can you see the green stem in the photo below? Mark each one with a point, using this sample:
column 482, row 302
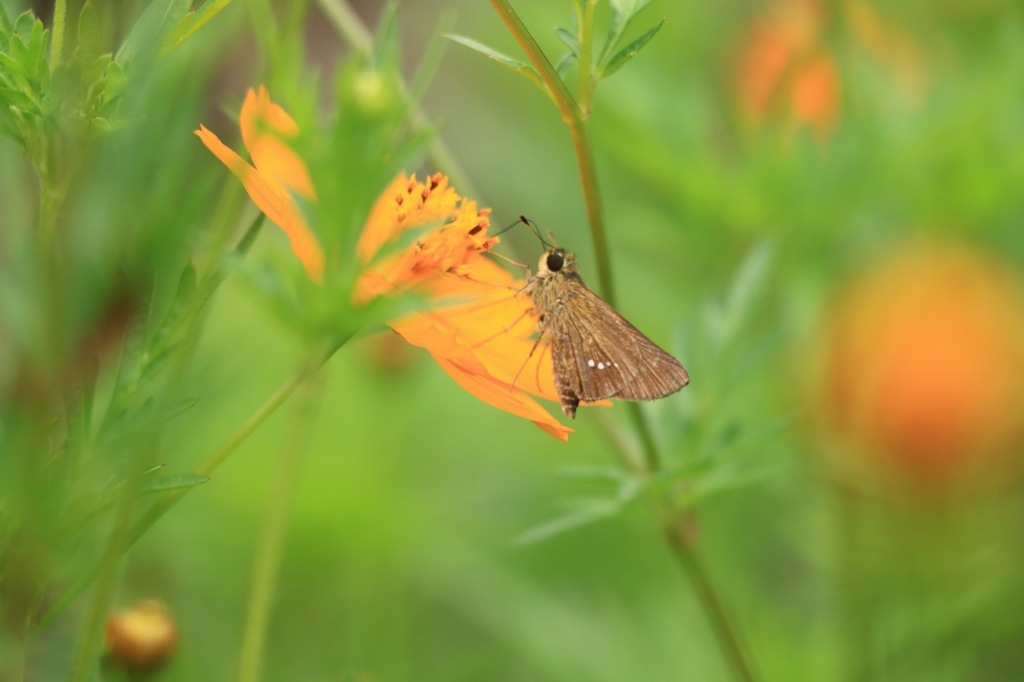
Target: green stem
column 50, row 199
column 586, row 50
column 91, row 638
column 580, row 139
column 680, row 539
column 643, row 430
column 348, row 24
column 210, row 464
column 853, row 595
column 270, row 546
column 574, row 118
column 60, row 12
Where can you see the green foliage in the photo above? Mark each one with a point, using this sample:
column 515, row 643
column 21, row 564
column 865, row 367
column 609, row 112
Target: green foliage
column 162, row 352
column 509, row 63
column 596, row 64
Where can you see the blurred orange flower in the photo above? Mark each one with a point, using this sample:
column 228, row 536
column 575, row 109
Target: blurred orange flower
column 276, row 176
column 924, row 362
column 477, row 328
column 783, row 65
column 141, row 638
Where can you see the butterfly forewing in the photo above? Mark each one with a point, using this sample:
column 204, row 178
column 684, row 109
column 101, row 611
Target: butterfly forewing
column 612, row 357
column 596, row 353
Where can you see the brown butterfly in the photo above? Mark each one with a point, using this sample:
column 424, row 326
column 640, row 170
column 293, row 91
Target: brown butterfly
column 595, row 352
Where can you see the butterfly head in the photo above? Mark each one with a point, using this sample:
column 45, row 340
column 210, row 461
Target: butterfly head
column 556, row 260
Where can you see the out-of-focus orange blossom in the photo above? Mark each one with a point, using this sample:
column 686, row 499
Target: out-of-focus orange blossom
column 477, row 327
column 923, row 364
column 784, row 66
column 142, row 637
column 786, row 69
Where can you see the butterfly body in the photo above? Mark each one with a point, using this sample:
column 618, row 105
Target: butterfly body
column 595, row 352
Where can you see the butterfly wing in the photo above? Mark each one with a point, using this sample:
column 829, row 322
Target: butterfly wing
column 598, row 354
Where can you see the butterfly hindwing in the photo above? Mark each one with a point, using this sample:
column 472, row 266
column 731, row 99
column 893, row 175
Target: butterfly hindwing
column 605, row 356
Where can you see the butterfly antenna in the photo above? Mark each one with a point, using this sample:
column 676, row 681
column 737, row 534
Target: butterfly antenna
column 508, row 227
column 533, row 228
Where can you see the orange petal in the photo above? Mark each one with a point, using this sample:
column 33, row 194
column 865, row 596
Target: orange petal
column 502, row 396
column 263, row 125
column 280, row 208
column 405, row 203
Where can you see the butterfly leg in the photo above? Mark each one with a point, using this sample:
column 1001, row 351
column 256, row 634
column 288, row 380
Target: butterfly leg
column 527, row 360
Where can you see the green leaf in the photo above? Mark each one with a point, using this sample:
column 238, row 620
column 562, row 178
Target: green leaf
column 385, row 52
column 630, row 51
column 192, row 22
column 180, row 407
column 6, row 29
column 623, row 12
column 564, row 64
column 570, row 40
column 17, row 99
column 13, row 67
column 174, row 482
column 37, row 45
column 151, row 25
column 183, row 301
column 723, row 321
column 508, row 62
column 583, row 516
column 88, row 33
column 24, row 23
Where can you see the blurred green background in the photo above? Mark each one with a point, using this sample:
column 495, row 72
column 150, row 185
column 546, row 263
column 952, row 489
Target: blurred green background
column 744, row 184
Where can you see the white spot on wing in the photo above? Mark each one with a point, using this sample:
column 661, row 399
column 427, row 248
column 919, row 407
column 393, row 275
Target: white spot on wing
column 590, row 363
column 600, row 365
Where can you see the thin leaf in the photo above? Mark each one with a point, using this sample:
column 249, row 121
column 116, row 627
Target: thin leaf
column 583, row 516
column 24, row 23
column 174, row 482
column 88, row 33
column 630, row 51
column 145, row 34
column 586, row 473
column 37, row 48
column 724, row 319
column 184, row 297
column 180, row 407
column 430, row 61
column 385, row 53
column 503, row 59
column 623, row 12
column 14, row 67
column 17, row 99
column 107, row 125
column 6, row 29
column 570, row 40
column 192, row 22
column 564, row 64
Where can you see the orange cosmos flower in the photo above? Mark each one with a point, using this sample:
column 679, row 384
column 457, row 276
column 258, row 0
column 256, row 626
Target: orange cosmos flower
column 477, row 328
column 924, row 363
column 276, row 176
column 783, row 65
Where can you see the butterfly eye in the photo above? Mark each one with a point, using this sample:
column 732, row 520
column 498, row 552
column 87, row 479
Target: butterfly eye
column 555, row 261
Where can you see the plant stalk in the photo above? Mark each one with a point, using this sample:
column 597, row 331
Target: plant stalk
column 348, row 24
column 60, row 13
column 208, row 466
column 580, row 139
column 270, row 544
column 679, row 538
